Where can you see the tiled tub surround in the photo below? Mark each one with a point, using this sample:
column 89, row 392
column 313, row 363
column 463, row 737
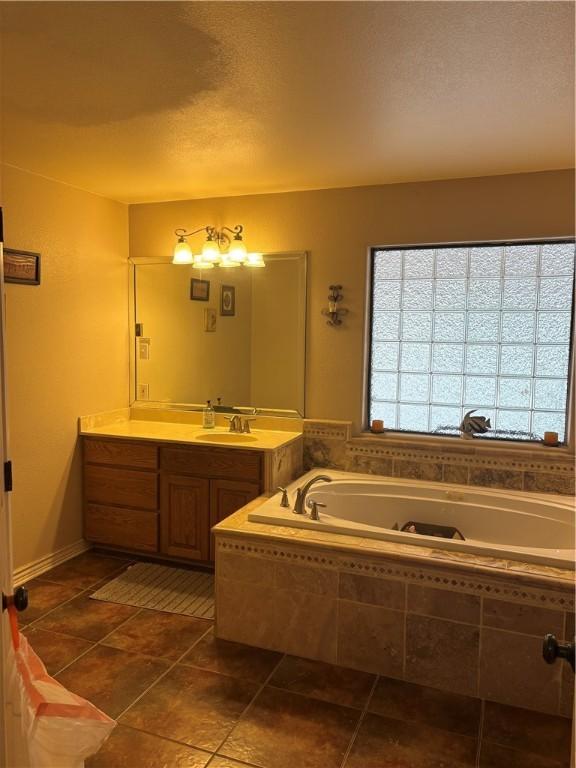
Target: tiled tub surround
column 537, row 528
column 456, row 622
column 451, row 460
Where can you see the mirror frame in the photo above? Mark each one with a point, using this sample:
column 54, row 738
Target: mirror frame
column 139, row 261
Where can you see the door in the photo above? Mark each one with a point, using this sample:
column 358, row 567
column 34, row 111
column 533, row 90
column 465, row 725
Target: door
column 184, row 513
column 227, row 496
column 5, row 542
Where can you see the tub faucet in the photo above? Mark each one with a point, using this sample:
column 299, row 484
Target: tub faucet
column 300, row 503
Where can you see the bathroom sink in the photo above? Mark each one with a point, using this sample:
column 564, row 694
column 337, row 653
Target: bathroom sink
column 226, row 437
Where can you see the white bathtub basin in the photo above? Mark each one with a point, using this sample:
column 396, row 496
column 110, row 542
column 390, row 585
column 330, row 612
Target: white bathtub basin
column 504, row 524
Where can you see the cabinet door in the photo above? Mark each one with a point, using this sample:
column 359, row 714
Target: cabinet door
column 184, row 512
column 226, row 497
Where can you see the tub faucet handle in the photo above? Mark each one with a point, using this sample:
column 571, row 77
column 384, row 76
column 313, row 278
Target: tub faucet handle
column 313, row 507
column 297, row 509
column 284, row 492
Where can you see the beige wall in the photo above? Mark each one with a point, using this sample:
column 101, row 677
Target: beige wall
column 338, row 226
column 67, row 348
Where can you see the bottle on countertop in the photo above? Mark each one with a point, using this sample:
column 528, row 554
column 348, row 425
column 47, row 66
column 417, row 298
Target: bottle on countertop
column 208, row 416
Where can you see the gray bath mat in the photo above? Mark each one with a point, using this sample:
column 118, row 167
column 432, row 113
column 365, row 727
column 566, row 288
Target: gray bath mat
column 174, row 590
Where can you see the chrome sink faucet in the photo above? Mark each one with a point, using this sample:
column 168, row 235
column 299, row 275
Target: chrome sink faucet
column 300, row 503
column 237, row 424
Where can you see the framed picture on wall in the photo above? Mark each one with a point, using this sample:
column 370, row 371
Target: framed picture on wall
column 199, row 289
column 228, row 301
column 21, row 267
column 210, row 320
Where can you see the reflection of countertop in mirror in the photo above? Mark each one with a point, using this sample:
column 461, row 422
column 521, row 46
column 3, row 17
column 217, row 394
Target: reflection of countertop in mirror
column 126, row 424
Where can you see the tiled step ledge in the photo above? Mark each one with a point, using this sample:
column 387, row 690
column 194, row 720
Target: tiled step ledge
column 363, row 554
column 448, row 628
column 534, row 468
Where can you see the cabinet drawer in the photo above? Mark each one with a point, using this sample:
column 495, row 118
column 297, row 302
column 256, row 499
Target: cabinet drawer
column 212, row 463
column 121, row 453
column 124, row 487
column 128, row 528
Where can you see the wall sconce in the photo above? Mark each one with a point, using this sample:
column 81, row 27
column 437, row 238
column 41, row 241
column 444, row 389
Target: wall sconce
column 219, row 249
column 334, row 313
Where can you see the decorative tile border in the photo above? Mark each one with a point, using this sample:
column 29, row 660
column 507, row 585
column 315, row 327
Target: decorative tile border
column 508, row 586
column 356, row 448
column 328, row 430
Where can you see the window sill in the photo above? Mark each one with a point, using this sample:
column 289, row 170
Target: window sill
column 475, row 445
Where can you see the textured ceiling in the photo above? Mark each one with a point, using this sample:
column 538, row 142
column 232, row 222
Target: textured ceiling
column 143, row 101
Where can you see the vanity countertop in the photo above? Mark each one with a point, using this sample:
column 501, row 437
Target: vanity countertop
column 194, row 434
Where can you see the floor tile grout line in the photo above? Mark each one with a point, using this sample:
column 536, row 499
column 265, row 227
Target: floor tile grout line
column 51, row 610
column 113, row 574
column 241, row 763
column 162, row 676
column 166, row 738
column 314, row 697
column 251, row 702
column 96, row 643
column 65, row 602
column 480, row 732
column 363, row 714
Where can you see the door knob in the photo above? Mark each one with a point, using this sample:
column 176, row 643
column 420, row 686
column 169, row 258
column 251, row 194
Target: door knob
column 552, row 650
column 19, row 599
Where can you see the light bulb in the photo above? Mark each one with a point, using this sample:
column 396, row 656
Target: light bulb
column 237, row 251
column 211, row 251
column 254, row 260
column 182, row 253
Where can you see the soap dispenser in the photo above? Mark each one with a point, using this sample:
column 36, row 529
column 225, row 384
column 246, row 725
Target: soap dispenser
column 208, row 416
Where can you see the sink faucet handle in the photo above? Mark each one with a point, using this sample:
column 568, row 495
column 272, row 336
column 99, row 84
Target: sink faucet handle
column 284, row 492
column 313, row 507
column 246, row 425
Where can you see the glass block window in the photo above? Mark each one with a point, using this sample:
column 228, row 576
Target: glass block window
column 483, row 327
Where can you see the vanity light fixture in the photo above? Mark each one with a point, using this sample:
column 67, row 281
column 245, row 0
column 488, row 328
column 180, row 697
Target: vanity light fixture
column 219, row 249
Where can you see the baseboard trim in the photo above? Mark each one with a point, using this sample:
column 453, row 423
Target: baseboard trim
column 38, row 567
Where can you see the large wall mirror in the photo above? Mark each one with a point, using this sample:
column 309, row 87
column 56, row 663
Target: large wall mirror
column 233, row 336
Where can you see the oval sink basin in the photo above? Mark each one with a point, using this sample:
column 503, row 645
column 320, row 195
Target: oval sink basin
column 226, row 437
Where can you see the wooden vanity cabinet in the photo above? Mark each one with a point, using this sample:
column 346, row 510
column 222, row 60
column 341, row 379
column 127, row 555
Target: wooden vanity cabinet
column 199, row 487
column 164, row 498
column 121, row 493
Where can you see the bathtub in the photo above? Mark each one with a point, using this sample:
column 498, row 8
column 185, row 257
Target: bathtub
column 512, row 525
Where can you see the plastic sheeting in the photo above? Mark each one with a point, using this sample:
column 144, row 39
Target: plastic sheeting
column 50, row 727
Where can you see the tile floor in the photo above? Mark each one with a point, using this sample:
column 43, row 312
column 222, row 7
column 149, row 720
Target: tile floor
column 186, row 700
